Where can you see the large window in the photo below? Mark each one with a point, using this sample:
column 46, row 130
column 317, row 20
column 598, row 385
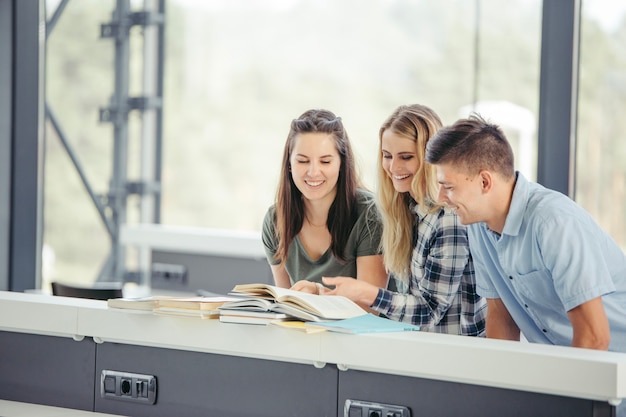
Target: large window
column 238, row 71
column 601, row 147
column 79, row 80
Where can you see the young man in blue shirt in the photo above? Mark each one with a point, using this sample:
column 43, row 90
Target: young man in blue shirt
column 544, row 265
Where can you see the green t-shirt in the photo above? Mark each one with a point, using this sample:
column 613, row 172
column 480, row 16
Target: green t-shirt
column 364, row 240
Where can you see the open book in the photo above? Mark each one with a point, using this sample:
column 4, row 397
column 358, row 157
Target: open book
column 308, row 307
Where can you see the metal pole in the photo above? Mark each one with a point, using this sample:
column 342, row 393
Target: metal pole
column 149, row 135
column 119, row 101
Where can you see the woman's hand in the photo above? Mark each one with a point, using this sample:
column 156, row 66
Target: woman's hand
column 360, row 292
column 307, row 286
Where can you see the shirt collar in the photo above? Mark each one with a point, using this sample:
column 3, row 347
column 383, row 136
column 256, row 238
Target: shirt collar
column 519, row 201
column 419, row 210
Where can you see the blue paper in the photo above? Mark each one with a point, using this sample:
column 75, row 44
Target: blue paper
column 367, row 323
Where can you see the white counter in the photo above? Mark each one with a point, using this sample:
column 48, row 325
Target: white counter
column 579, row 373
column 19, row 409
column 197, row 240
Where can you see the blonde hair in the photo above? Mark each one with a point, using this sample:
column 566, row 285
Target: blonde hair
column 418, row 123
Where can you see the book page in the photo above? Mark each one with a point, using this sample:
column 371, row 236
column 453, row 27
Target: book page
column 249, row 304
column 295, row 311
column 324, row 306
column 263, row 290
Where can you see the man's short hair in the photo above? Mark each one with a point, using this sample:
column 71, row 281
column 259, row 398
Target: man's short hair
column 472, row 144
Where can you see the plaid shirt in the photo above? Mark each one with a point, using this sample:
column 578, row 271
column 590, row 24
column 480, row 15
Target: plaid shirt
column 441, row 293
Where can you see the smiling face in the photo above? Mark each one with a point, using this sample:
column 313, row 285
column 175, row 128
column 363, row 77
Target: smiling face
column 399, row 160
column 315, row 164
column 461, row 192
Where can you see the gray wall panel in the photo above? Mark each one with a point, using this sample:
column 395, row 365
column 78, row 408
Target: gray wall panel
column 218, row 274
column 47, row 370
column 426, row 397
column 27, row 143
column 560, row 41
column 191, row 384
column 6, row 98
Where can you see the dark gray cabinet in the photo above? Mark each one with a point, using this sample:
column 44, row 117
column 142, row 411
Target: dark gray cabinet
column 60, row 371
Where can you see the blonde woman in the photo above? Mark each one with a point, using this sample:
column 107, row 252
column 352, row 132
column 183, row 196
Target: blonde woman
column 425, row 246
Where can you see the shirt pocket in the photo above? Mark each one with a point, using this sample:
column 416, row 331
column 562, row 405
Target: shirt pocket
column 536, row 289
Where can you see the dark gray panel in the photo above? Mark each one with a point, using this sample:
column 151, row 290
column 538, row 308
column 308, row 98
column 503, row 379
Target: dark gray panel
column 431, row 398
column 6, row 98
column 27, row 143
column 47, row 370
column 558, row 94
column 217, row 274
column 200, row 384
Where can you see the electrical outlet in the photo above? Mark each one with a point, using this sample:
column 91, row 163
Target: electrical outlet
column 356, row 408
column 169, row 274
column 126, row 386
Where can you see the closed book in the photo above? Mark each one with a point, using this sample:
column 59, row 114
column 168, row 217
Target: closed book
column 254, row 317
column 297, row 325
column 187, row 312
column 142, row 303
column 194, row 303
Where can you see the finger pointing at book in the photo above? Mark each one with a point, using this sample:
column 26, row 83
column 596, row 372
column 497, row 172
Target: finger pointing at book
column 360, row 292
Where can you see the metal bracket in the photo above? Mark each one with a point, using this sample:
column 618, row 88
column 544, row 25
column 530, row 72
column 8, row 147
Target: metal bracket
column 144, row 103
column 143, row 187
column 112, row 113
column 146, row 18
column 117, row 28
column 109, row 30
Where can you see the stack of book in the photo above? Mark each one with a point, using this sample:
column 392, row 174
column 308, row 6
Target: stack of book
column 142, row 304
column 275, row 303
column 203, row 307
column 200, row 307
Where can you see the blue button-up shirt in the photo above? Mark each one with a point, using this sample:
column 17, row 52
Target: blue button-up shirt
column 550, row 258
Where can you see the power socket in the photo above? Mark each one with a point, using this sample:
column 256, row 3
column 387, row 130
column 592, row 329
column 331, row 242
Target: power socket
column 126, row 386
column 356, row 408
column 171, row 275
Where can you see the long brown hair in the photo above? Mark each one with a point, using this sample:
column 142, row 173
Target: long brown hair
column 418, row 123
column 289, row 204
